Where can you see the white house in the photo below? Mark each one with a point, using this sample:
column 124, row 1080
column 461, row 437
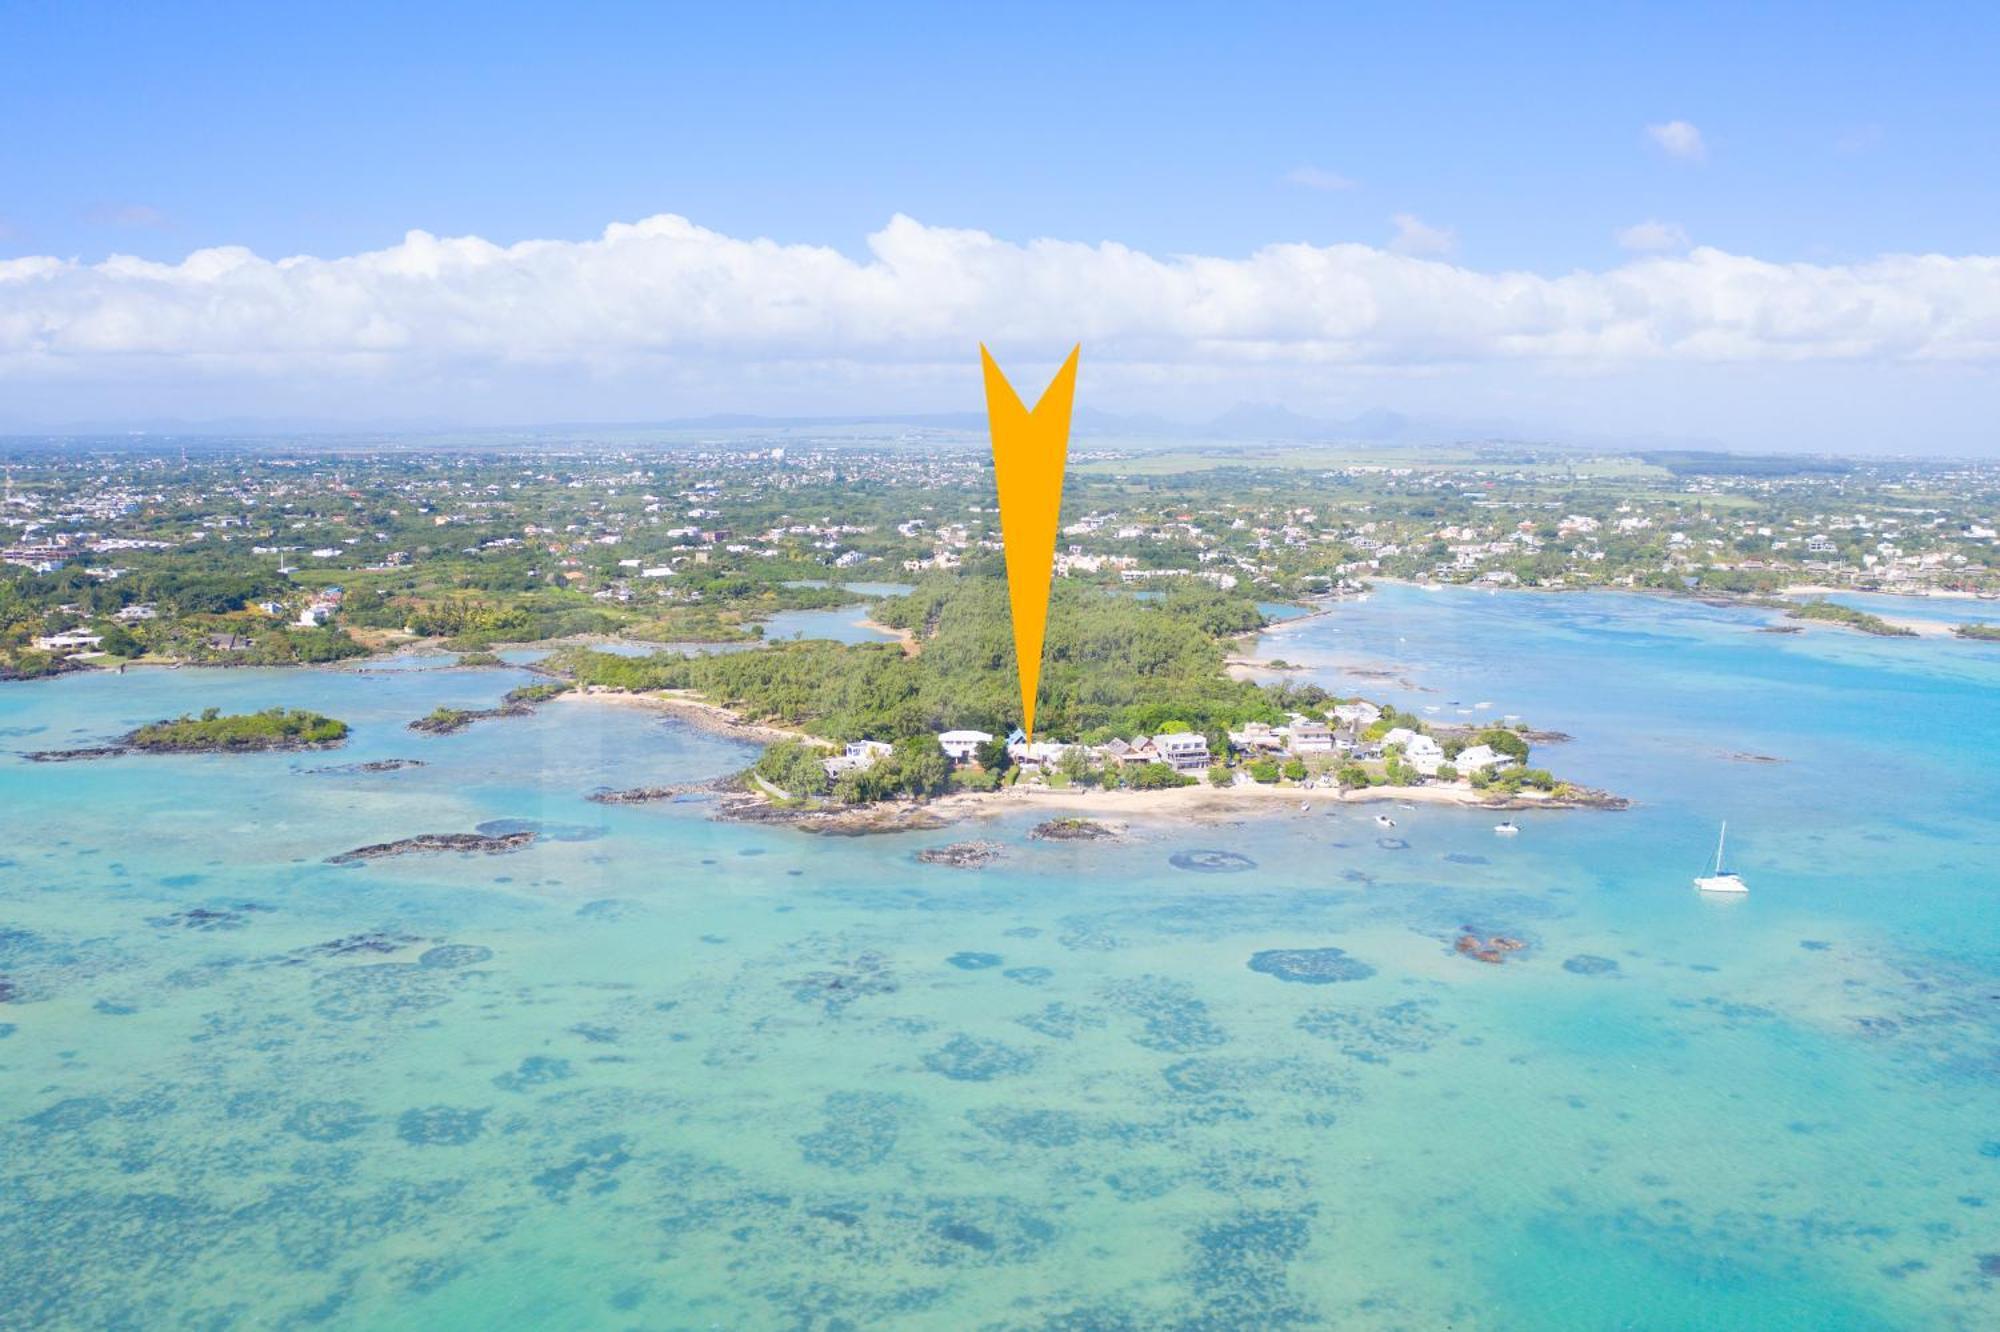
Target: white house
column 1419, row 751
column 130, row 614
column 961, row 746
column 315, row 615
column 1478, row 758
column 1359, row 715
column 1040, row 752
column 856, row 756
column 1311, row 737
column 68, row 642
column 1185, row 751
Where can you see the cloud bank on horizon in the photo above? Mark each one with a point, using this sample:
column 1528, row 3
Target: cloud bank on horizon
column 671, row 295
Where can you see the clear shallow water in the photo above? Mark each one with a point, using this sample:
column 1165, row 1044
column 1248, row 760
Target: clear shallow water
column 662, row 1072
column 842, row 624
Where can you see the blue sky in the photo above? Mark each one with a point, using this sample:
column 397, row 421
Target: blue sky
column 1529, row 141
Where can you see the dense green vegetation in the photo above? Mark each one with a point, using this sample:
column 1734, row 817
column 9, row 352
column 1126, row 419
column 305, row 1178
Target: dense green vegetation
column 1989, row 633
column 274, row 728
column 1115, row 665
column 1833, row 613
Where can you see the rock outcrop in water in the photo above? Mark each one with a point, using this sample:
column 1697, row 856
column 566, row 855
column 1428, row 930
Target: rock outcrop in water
column 1492, row 951
column 640, row 795
column 1073, row 830
column 76, row 755
column 374, row 765
column 431, row 843
column 960, row 855
column 859, row 821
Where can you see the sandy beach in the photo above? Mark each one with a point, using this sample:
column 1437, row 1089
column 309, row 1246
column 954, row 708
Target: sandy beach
column 709, row 716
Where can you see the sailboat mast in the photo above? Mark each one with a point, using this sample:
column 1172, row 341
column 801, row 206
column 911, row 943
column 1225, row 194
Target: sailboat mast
column 1720, row 838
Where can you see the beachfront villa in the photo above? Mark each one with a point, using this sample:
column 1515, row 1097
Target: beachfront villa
column 73, row 641
column 1419, row 751
column 1184, row 751
column 962, row 746
column 856, row 756
column 1041, row 753
column 1311, row 737
column 1478, row 758
column 1358, row 715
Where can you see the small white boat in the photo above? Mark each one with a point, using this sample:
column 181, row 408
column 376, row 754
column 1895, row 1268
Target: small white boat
column 1507, row 828
column 1384, row 821
column 1721, row 880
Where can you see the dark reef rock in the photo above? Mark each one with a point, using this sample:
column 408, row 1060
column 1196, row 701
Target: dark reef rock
column 455, row 955
column 1310, row 966
column 1492, row 951
column 858, row 1130
column 553, row 832
column 970, row 1059
column 1587, row 964
column 328, row 1121
column 207, row 919
column 70, row 1114
column 640, row 795
column 534, row 1071
column 76, row 755
column 960, row 855
column 373, row 765
column 597, row 1161
column 974, row 961
column 859, row 821
column 440, row 1126
column 427, row 843
column 355, row 945
column 1072, row 830
column 867, row 974
column 1212, row 862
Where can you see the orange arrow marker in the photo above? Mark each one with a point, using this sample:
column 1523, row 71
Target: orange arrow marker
column 1030, row 450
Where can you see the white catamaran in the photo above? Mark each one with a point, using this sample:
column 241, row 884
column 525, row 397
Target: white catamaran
column 1721, row 880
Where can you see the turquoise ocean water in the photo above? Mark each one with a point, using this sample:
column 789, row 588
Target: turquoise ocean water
column 661, row 1072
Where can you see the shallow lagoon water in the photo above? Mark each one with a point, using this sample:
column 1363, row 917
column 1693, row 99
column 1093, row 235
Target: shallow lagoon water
column 658, row 1071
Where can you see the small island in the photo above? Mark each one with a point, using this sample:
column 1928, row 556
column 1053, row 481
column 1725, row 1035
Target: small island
column 1830, row 612
column 1983, row 633
column 214, row 732
column 517, row 703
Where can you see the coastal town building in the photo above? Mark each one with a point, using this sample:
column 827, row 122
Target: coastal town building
column 1184, row 751
column 1310, row 737
column 962, row 746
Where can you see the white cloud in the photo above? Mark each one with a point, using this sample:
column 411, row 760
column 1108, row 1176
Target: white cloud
column 1319, row 178
column 670, row 302
column 1653, row 235
column 1415, row 236
column 1677, row 138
